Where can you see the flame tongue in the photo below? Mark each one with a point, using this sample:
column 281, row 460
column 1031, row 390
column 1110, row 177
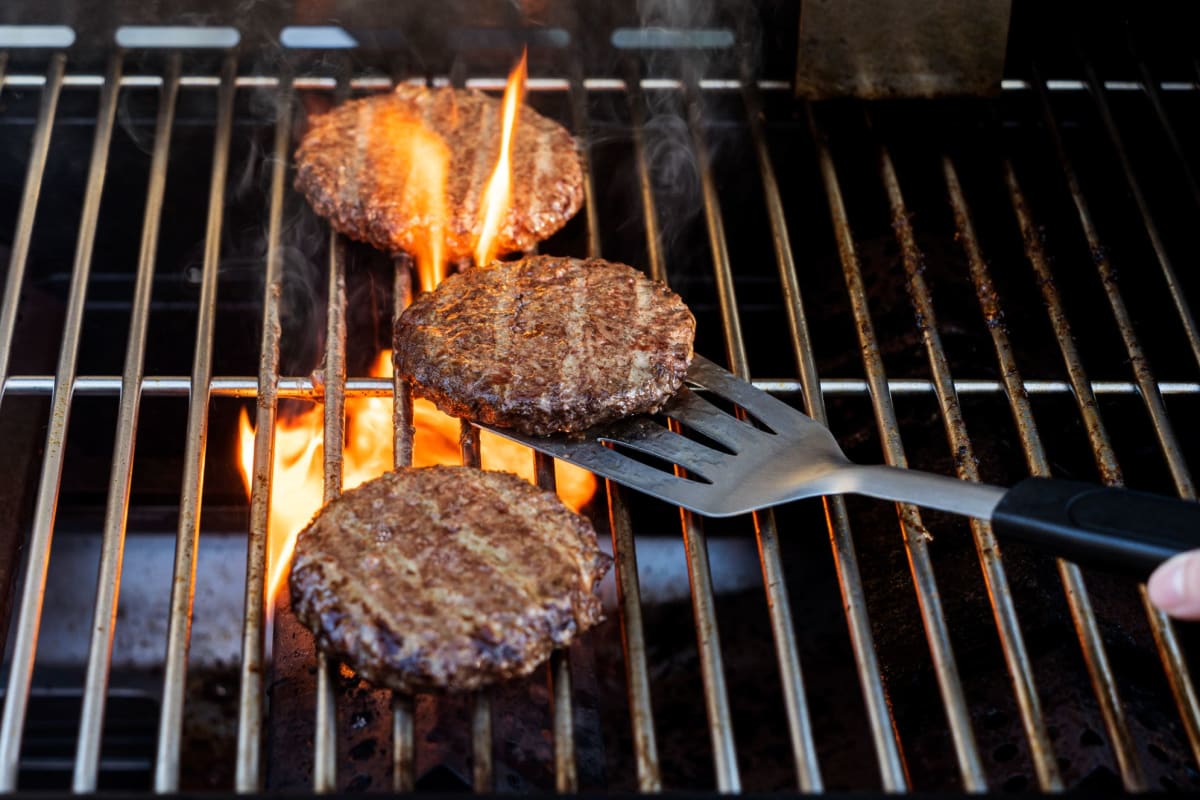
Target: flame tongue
column 417, row 161
column 498, row 195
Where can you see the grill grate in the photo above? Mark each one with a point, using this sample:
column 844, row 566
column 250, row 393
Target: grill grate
column 694, row 96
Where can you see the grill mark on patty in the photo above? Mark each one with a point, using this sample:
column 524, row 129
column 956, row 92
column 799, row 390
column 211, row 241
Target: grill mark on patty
column 505, row 321
column 452, row 630
column 475, row 541
column 639, row 364
column 502, row 344
column 577, row 344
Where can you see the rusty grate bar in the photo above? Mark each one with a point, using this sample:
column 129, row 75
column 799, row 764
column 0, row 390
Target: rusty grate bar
column 325, row 764
column 91, row 721
column 403, row 736
column 1135, row 189
column 325, row 732
column 482, row 766
column 932, row 616
column 33, row 593
column 170, row 729
column 1178, row 675
column 248, row 773
column 1012, row 641
column 883, row 729
column 1079, row 602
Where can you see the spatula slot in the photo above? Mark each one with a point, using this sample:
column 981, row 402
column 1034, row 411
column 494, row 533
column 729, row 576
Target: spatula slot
column 648, row 459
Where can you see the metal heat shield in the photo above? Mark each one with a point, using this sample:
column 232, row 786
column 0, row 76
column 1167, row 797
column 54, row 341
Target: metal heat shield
column 901, row 48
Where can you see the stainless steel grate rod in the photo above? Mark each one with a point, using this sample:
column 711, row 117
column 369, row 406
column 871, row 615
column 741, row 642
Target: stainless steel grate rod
column 1012, row 641
column 1105, row 457
column 641, row 714
column 403, row 722
column 1178, row 674
column 246, row 387
column 251, row 695
column 170, row 728
column 712, row 669
column 862, row 641
column 932, row 616
column 536, row 84
column 95, row 690
column 778, row 604
column 29, row 613
column 1079, row 602
column 381, row 83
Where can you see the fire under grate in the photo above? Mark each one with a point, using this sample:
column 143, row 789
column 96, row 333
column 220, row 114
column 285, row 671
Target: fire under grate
column 938, row 281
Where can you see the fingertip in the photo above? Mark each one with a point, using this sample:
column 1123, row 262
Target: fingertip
column 1175, row 586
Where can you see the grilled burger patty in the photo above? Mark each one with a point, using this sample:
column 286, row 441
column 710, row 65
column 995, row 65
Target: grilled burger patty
column 355, row 169
column 546, row 344
column 446, row 578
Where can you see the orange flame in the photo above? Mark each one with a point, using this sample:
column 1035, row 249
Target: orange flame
column 296, row 474
column 418, row 159
column 497, row 196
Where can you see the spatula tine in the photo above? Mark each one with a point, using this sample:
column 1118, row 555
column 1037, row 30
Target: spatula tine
column 775, row 414
column 696, row 413
column 646, row 436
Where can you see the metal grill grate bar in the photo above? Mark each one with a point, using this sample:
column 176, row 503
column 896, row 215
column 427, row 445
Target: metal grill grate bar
column 999, row 593
column 783, row 630
column 1078, row 601
column 932, row 616
column 29, row 615
column 637, row 677
column 716, row 696
column 482, row 771
column 1135, row 189
column 23, row 232
column 248, row 774
column 170, row 728
column 325, row 733
column 403, row 735
column 1101, row 440
column 1178, row 675
column 91, row 721
column 886, row 742
column 246, row 387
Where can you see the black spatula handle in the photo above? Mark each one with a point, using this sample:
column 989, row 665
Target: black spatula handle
column 1118, row 530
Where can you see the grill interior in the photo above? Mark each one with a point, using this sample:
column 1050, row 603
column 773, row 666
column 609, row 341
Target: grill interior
column 988, row 287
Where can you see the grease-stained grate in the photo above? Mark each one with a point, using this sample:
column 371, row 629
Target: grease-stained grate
column 876, row 198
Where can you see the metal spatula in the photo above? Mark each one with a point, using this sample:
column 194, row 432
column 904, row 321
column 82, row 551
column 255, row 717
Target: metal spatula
column 735, row 466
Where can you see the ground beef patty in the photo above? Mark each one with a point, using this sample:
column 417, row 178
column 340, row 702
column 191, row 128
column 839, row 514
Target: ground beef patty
column 354, row 171
column 546, row 344
column 446, row 578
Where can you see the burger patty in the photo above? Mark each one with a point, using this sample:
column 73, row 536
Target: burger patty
column 367, row 166
column 546, row 344
column 446, row 578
